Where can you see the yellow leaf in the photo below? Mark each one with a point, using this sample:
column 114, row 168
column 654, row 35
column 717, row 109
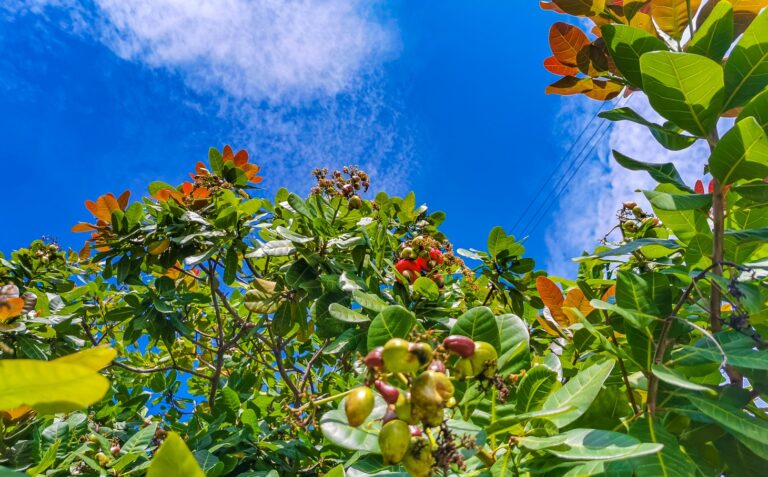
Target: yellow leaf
column 158, row 247
column 547, row 326
column 174, row 458
column 93, row 358
column 10, row 308
column 744, row 11
column 53, row 386
column 673, row 16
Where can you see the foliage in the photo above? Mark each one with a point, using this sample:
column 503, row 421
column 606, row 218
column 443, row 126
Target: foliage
column 247, row 331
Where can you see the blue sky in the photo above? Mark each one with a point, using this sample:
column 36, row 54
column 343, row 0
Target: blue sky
column 445, row 97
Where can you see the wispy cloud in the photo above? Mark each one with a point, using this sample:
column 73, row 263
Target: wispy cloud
column 588, row 209
column 299, row 81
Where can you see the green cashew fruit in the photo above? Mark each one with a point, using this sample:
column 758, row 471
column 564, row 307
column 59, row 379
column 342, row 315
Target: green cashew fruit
column 484, row 359
column 397, row 357
column 394, row 439
column 418, row 460
column 358, row 405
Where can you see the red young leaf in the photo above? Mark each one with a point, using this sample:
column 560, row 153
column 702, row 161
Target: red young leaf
column 554, row 66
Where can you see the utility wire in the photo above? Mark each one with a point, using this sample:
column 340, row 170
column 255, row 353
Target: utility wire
column 543, row 206
column 583, row 160
column 557, row 167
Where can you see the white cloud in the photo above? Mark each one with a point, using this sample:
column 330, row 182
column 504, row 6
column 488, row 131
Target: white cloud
column 299, row 81
column 272, row 49
column 602, row 185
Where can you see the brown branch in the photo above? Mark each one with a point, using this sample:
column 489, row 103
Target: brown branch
column 159, row 369
column 220, row 340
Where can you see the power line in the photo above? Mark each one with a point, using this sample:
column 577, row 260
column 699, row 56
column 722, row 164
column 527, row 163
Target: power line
column 572, row 176
column 543, row 207
column 557, row 167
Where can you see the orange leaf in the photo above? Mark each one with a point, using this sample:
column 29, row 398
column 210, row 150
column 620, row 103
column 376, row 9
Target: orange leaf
column 227, row 153
column 10, row 415
column 10, row 308
column 609, row 293
column 552, row 297
column 575, row 299
column 566, row 42
column 554, row 66
column 241, row 158
column 83, row 227
column 744, row 11
column 122, row 201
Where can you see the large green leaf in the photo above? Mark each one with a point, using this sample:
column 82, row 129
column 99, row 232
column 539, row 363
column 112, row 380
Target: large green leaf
column 140, row 441
column 62, row 385
column 746, row 71
column 670, row 462
column 685, row 88
column 626, row 45
column 751, row 431
column 635, row 293
column 741, row 154
column 539, row 382
column 669, row 201
column 758, row 109
column 715, row 35
column 392, row 322
column 342, row 313
column 674, row 378
column 591, row 444
column 665, row 172
column 326, row 325
column 578, row 393
column 667, row 135
column 632, row 246
column 174, row 458
column 369, row 300
column 515, row 353
column 479, row 324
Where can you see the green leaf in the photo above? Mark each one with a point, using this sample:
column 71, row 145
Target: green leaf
column 713, row 38
column 631, row 247
column 578, row 393
column 479, row 324
column 174, row 458
column 591, row 444
column 746, row 71
column 685, row 88
column 369, row 301
column 673, row 378
column 505, row 423
column 539, row 382
column 634, row 292
column 515, row 340
column 751, row 431
column 298, row 204
column 327, row 325
column 670, row 462
column 425, row 287
column 364, row 437
column 741, row 154
column 231, row 266
column 63, row 385
column 748, row 236
column 626, row 45
column 216, row 161
column 665, row 172
column 758, row 109
column 342, row 313
column 392, row 322
column 667, row 201
column 302, row 275
column 140, row 441
column 667, row 136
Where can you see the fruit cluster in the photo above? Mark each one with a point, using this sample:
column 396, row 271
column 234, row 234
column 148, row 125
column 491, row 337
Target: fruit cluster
column 638, row 220
column 339, row 185
column 425, row 391
column 421, row 256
